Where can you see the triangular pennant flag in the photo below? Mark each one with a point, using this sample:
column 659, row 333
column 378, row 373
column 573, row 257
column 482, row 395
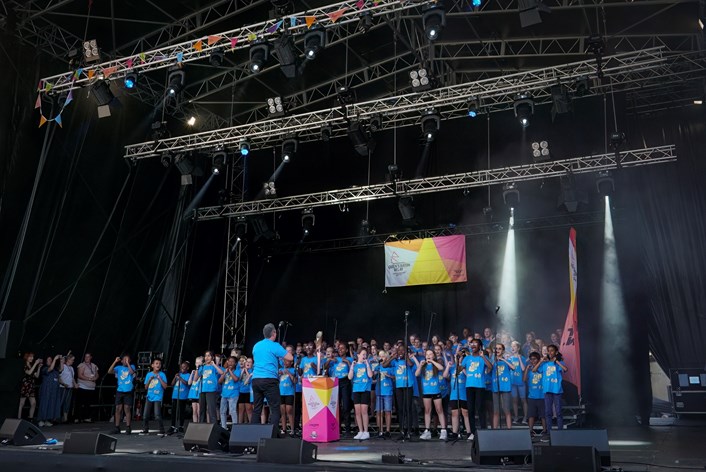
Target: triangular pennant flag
column 91, row 73
column 47, row 87
column 274, row 27
column 180, row 56
column 109, row 71
column 335, row 16
column 143, row 58
column 42, row 120
column 198, row 45
column 214, row 39
column 40, row 86
column 69, row 97
column 252, row 37
column 309, row 21
column 360, row 4
column 129, row 63
column 292, row 21
column 38, row 103
column 58, row 120
column 233, row 42
column 77, row 74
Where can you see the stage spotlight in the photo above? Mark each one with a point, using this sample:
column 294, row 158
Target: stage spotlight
column 216, row 58
column 524, row 109
column 540, row 151
column 362, row 140
column 393, row 173
column 314, row 41
column 511, row 195
column 244, row 147
column 472, row 108
column 476, row 3
column 275, row 106
column 605, row 185
column 218, row 162
column 287, row 56
column 100, row 90
column 430, row 125
column 259, row 55
column 434, row 20
column 159, row 130
column 261, row 229
column 488, row 214
column 375, row 123
column 406, row 207
column 530, row 12
column 420, row 80
column 308, row 221
column 561, row 103
column 185, row 166
column 191, row 121
column 699, row 101
column 582, row 87
column 282, row 7
column 345, row 95
column 91, row 53
column 175, row 82
column 366, row 21
column 568, row 197
column 241, row 228
column 326, row 132
column 130, row 80
column 289, row 149
column 617, row 139
column 269, row 190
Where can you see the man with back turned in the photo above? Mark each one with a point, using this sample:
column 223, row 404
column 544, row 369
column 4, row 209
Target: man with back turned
column 265, row 380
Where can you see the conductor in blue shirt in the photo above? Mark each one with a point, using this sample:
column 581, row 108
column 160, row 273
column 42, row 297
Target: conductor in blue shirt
column 265, row 379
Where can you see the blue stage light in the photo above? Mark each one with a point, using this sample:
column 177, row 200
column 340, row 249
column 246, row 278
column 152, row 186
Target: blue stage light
column 476, row 3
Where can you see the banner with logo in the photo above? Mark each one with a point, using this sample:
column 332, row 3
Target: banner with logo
column 320, row 409
column 425, row 261
column 570, row 338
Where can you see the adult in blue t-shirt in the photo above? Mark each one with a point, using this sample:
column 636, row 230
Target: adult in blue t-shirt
column 125, row 375
column 552, row 368
column 265, row 379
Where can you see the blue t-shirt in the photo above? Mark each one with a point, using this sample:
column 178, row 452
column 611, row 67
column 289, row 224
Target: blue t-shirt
column 246, row 384
column 195, row 390
column 385, row 381
column 516, row 374
column 266, row 355
column 231, row 388
column 430, row 380
column 474, row 367
column 457, row 391
column 501, row 377
column 286, row 386
column 361, row 381
column 306, row 365
column 155, row 391
column 551, row 377
column 209, row 378
column 181, row 389
column 486, row 342
column 125, row 378
column 404, row 374
column 534, row 383
column 443, row 384
column 340, row 368
column 418, row 353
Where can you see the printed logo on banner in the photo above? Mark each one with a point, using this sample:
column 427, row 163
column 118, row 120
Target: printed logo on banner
column 395, row 265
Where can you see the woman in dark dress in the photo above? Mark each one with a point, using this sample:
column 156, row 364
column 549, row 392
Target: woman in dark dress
column 28, row 389
column 49, row 394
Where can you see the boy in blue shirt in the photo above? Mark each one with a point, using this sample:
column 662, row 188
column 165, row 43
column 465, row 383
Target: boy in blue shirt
column 230, row 380
column 180, row 397
column 535, row 402
column 501, row 386
column 340, row 368
column 383, row 394
column 552, row 367
column 125, row 375
column 155, row 383
column 287, row 382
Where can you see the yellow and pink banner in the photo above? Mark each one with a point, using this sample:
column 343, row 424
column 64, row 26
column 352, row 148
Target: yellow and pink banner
column 425, row 261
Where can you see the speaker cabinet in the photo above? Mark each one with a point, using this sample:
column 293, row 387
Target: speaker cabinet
column 89, row 443
column 501, row 447
column 205, row 436
column 564, row 458
column 21, row 433
column 286, row 451
column 244, row 436
column 597, row 438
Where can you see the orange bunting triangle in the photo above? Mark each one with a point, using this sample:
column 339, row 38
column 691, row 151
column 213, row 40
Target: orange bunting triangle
column 310, row 20
column 91, row 73
column 335, row 16
column 214, row 39
column 42, row 120
column 198, row 45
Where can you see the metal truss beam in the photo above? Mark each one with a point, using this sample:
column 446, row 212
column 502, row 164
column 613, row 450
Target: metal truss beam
column 624, row 71
column 481, row 178
column 461, row 7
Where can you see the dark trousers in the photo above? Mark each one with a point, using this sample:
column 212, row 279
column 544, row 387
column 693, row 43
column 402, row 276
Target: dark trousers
column 83, row 403
column 297, row 409
column 552, row 403
column 405, row 409
column 345, row 398
column 208, row 402
column 475, row 398
column 157, row 407
column 269, row 389
column 178, row 412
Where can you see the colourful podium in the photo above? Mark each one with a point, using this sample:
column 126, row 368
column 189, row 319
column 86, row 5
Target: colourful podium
column 320, row 409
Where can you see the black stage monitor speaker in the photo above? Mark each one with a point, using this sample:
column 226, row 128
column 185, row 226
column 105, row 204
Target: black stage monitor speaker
column 565, row 458
column 597, row 438
column 89, row 443
column 21, row 433
column 244, row 436
column 500, row 447
column 205, row 436
column 286, row 451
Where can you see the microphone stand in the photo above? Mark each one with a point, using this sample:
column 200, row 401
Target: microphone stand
column 406, row 406
column 431, row 321
column 181, row 351
column 335, row 329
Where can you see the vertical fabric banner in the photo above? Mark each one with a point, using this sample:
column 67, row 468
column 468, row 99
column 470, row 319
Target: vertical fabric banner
column 570, row 338
column 320, row 409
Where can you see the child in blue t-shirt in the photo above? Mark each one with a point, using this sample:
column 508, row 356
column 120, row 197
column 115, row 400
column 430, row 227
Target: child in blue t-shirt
column 501, row 385
column 287, row 387
column 361, row 376
column 552, row 368
column 383, row 395
column 519, row 391
column 125, row 375
column 195, row 389
column 457, row 394
column 535, row 389
column 428, row 370
column 230, row 391
column 180, row 396
column 209, row 374
column 244, row 401
column 155, row 383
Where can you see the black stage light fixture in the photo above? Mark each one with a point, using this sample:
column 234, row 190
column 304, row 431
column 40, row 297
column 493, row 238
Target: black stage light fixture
column 159, row 130
column 287, row 56
column 241, row 228
column 326, row 132
column 282, row 7
column 605, row 185
column 345, row 95
column 473, row 108
column 617, row 139
column 259, row 55
column 375, row 123
column 130, row 80
column 261, row 229
column 434, row 20
column 393, row 173
column 366, row 21
column 420, row 79
column 308, row 221
column 217, row 57
column 561, row 102
column 276, row 107
column 431, row 122
column 269, row 189
column 540, row 151
column 511, row 195
column 100, row 90
column 360, row 136
column 524, row 109
column 175, row 82
column 314, row 42
column 406, row 207
column 244, row 147
column 582, row 87
column 289, row 149
column 218, row 162
column 530, row 12
column 91, row 53
column 570, row 196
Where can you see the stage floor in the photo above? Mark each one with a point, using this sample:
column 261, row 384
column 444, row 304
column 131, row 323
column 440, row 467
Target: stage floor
column 659, row 447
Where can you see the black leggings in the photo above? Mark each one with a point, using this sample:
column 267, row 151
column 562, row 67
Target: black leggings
column 475, row 400
column 405, row 411
column 179, row 412
column 345, row 393
column 208, row 401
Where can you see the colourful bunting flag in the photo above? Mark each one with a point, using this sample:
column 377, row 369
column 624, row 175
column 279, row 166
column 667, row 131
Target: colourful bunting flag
column 69, row 97
column 233, row 42
column 40, row 86
column 129, row 63
column 38, row 103
column 180, row 56
column 107, row 72
column 58, row 121
column 274, row 27
column 143, row 57
column 42, row 120
column 360, row 4
column 292, row 21
column 335, row 16
column 309, row 21
column 214, row 39
column 252, row 37
column 78, row 73
column 91, row 73
column 47, row 87
column 198, row 45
